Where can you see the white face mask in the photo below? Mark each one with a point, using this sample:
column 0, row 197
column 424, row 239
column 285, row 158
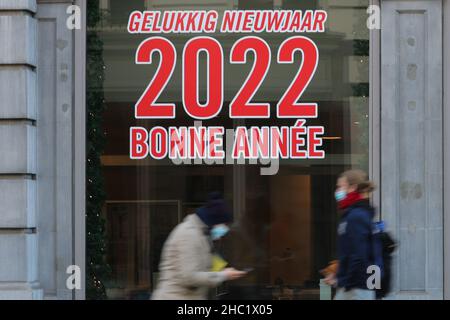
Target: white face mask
column 219, row 231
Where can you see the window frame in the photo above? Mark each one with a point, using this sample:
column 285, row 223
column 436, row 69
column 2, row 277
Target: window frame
column 79, row 175
column 80, row 48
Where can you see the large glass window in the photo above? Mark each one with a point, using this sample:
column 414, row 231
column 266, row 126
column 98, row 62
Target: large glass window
column 285, row 224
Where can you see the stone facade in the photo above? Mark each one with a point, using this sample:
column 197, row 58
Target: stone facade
column 36, row 166
column 18, row 233
column 412, row 143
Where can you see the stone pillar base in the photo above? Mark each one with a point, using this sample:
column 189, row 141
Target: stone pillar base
column 21, row 291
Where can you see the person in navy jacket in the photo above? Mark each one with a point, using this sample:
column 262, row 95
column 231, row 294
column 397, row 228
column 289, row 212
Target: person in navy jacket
column 354, row 236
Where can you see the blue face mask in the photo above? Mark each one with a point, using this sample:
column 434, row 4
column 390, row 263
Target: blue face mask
column 340, row 195
column 219, row 231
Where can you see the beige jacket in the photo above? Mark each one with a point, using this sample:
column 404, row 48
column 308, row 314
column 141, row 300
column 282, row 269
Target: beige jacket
column 185, row 263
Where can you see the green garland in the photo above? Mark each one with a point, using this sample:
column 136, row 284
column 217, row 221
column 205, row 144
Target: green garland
column 97, row 269
column 362, row 48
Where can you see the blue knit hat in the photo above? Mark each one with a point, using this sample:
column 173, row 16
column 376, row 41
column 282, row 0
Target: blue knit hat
column 216, row 210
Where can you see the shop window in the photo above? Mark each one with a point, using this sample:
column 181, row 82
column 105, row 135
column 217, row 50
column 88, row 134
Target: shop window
column 286, row 223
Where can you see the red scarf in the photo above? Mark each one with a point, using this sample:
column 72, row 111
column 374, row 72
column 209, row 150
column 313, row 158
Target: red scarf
column 349, row 200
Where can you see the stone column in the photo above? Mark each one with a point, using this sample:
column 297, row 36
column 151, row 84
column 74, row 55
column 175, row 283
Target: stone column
column 18, row 239
column 411, row 143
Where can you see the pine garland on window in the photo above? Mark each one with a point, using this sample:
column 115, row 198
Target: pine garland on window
column 97, row 269
column 361, row 49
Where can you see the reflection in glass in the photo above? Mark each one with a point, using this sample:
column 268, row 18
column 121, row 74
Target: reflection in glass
column 285, row 224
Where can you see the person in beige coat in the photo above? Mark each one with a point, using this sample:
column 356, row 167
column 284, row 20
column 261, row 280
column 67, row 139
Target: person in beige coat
column 187, row 254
